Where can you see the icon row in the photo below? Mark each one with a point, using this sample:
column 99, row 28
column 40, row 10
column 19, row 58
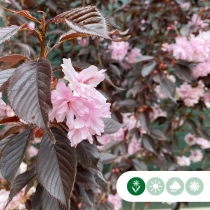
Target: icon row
column 174, row 186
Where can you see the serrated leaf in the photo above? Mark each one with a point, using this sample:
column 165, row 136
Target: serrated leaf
column 107, row 79
column 145, row 120
column 4, row 77
column 157, row 134
column 111, row 126
column 56, row 166
column 72, row 35
column 183, row 72
column 37, row 198
column 148, row 143
column 168, row 88
column 85, row 179
column 7, row 32
column 29, row 92
column 86, row 20
column 87, row 154
column 5, row 141
column 13, row 154
column 20, row 182
column 139, row 165
column 24, row 13
column 13, row 58
column 107, row 158
column 9, row 120
column 87, row 198
column 48, row 202
column 148, row 68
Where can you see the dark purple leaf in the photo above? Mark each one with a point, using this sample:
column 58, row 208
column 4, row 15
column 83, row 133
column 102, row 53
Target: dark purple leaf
column 85, row 179
column 111, row 126
column 87, row 154
column 86, row 20
column 107, row 158
column 29, row 92
column 7, row 32
column 5, row 141
column 148, row 143
column 107, row 79
column 145, row 120
column 183, row 72
column 20, row 182
column 13, row 154
column 37, row 198
column 4, row 77
column 48, row 202
column 139, row 165
column 56, row 166
column 168, row 88
column 13, row 59
column 148, row 68
column 87, row 198
column 157, row 134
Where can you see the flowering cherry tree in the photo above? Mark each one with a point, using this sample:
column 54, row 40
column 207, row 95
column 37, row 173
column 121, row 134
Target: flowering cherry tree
column 83, row 102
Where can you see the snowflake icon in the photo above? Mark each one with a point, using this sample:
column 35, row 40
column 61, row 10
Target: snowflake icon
column 194, row 186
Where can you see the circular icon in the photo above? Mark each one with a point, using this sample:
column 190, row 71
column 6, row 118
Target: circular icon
column 155, row 186
column 136, row 186
column 175, row 186
column 194, row 186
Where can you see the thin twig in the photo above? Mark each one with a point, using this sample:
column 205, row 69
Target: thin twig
column 133, row 205
column 146, row 205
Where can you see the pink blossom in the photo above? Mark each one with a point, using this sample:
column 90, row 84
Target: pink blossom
column 196, row 155
column 83, row 42
column 2, row 106
column 189, row 94
column 156, row 112
column 203, row 143
column 118, row 50
column 185, row 5
column 201, row 69
column 16, row 203
column 106, row 138
column 31, row 25
column 80, row 103
column 197, row 22
column 159, row 92
column 133, row 54
column 115, row 200
column 83, row 83
column 32, row 151
column 194, row 49
column 206, row 97
column 183, row 161
column 190, row 139
column 133, row 146
column 9, row 111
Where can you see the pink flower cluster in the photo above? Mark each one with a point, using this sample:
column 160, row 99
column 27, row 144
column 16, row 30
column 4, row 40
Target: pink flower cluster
column 189, row 94
column 130, row 122
column 183, row 161
column 192, row 49
column 16, row 203
column 80, row 103
column 201, row 69
column 83, row 42
column 197, row 22
column 119, row 50
column 116, row 201
column 192, row 140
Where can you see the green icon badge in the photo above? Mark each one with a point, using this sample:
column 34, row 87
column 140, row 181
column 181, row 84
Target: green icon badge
column 155, row 186
column 175, row 186
column 194, row 186
column 136, row 186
